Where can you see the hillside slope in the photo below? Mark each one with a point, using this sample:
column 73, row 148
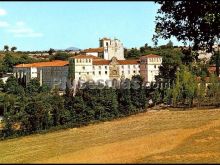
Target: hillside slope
column 164, row 136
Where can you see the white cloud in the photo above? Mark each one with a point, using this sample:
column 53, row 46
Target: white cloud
column 2, row 12
column 4, row 24
column 22, row 30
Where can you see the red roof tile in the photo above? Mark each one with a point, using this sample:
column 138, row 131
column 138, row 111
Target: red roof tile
column 85, row 56
column 151, row 56
column 101, row 49
column 44, row 64
column 101, row 62
column 127, row 62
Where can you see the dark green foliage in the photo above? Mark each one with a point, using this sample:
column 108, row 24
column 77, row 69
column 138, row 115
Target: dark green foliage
column 138, row 98
column 12, row 87
column 124, row 99
column 71, row 70
column 171, row 62
column 1, row 84
column 6, row 48
column 8, row 61
column 57, row 104
column 51, row 51
column 13, row 48
column 60, row 56
column 33, row 87
column 36, row 116
column 194, row 21
column 44, row 88
column 133, row 53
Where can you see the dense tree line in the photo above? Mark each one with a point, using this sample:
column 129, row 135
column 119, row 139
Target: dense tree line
column 33, row 108
column 10, row 59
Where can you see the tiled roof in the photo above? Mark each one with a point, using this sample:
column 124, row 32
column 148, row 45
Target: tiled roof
column 127, row 62
column 85, row 56
column 101, row 62
column 121, row 62
column 151, row 56
column 44, row 64
column 101, row 49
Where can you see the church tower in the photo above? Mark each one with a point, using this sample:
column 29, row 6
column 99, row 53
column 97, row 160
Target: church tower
column 112, row 48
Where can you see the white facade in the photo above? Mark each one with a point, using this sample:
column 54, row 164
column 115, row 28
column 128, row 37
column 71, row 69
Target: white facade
column 153, row 65
column 83, row 69
column 129, row 70
column 112, row 48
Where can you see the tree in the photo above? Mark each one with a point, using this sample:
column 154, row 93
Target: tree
column 9, row 61
column 60, row 56
column 171, row 62
column 133, row 53
column 138, row 98
column 201, row 92
column 189, row 86
column 12, row 87
column 51, row 51
column 33, row 87
column 44, row 88
column 71, row 73
column 142, row 49
column 6, row 48
column 13, row 48
column 124, row 99
column 1, row 84
column 194, row 21
column 36, row 115
column 213, row 89
column 169, row 44
column 156, row 97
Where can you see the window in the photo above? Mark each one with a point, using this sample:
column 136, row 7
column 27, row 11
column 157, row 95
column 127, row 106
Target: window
column 83, row 67
column 106, row 72
column 99, row 67
column 122, row 72
column 129, row 72
column 93, row 67
column 134, row 71
column 122, row 66
column 86, row 60
column 89, row 60
column 87, row 73
column 155, row 66
column 105, row 67
column 99, row 72
column 129, row 66
column 93, row 73
column 79, row 73
column 134, row 66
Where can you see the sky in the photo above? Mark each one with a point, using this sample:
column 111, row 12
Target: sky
column 59, row 25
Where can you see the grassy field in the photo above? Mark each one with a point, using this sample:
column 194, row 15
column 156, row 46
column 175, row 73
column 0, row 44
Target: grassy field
column 151, row 137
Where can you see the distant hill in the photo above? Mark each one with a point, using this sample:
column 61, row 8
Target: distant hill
column 72, row 49
column 68, row 49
